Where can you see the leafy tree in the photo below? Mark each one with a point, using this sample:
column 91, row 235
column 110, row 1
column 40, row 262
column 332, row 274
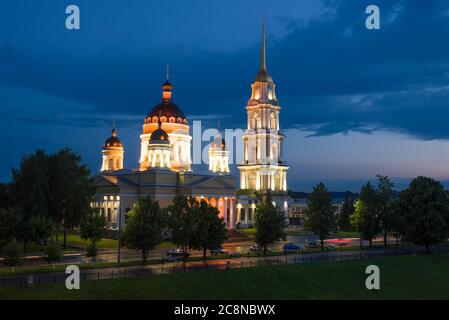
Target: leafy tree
column 423, row 209
column 92, row 251
column 321, row 218
column 9, row 225
column 5, row 196
column 30, row 189
column 144, row 228
column 53, row 253
column 270, row 223
column 347, row 210
column 181, row 221
column 12, row 254
column 93, row 228
column 386, row 200
column 40, row 229
column 71, row 190
column 209, row 229
column 366, row 215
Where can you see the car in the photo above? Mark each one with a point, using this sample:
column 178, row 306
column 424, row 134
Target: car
column 177, row 253
column 289, row 246
column 313, row 245
column 330, row 247
column 234, row 254
column 258, row 248
column 218, row 251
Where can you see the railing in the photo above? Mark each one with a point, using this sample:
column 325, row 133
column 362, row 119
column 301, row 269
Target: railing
column 132, row 272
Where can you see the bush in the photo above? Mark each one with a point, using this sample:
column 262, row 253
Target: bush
column 53, row 253
column 13, row 254
column 92, row 251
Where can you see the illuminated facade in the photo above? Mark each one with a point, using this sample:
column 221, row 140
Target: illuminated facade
column 165, row 166
column 164, row 169
column 263, row 170
column 219, row 155
column 112, row 153
column 175, row 124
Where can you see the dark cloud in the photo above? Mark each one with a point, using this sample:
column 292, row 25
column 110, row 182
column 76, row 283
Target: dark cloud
column 333, row 75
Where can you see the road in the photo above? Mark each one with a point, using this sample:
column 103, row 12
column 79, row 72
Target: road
column 110, row 255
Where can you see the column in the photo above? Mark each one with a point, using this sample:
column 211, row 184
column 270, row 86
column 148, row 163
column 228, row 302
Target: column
column 225, row 211
column 232, row 208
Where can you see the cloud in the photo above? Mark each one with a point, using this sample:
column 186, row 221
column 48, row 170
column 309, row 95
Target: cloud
column 331, row 73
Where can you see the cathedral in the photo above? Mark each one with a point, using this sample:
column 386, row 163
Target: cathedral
column 165, row 165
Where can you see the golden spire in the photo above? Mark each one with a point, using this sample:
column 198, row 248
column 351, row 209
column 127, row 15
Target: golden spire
column 263, row 64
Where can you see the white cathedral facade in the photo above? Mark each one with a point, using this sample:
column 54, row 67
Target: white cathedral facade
column 165, row 165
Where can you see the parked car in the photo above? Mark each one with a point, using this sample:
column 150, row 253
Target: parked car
column 289, row 246
column 330, row 247
column 218, row 251
column 313, row 245
column 177, row 253
column 234, row 254
column 258, row 248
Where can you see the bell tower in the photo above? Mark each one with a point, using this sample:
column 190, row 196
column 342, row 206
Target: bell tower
column 263, row 169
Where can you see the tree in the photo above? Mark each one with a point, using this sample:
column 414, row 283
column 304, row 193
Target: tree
column 321, row 218
column 347, row 210
column 270, row 223
column 12, row 254
column 209, row 229
column 423, row 209
column 144, row 228
column 181, row 221
column 9, row 225
column 385, row 197
column 93, row 228
column 71, row 190
column 366, row 218
column 40, row 229
column 53, row 253
column 30, row 189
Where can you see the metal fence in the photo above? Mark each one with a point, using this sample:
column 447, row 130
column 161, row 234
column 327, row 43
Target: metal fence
column 132, row 272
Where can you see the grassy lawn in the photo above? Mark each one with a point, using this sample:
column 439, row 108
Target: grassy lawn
column 347, row 234
column 74, row 240
column 249, row 231
column 411, row 277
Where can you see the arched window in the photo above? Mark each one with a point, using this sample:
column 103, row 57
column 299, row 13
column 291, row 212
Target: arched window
column 109, row 217
column 273, row 123
column 111, row 164
column 250, row 214
column 256, row 120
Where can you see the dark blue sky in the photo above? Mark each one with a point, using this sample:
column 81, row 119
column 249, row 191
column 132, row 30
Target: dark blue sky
column 355, row 102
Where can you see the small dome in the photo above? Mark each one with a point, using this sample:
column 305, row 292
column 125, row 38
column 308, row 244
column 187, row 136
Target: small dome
column 219, row 142
column 263, row 76
column 159, row 135
column 113, row 141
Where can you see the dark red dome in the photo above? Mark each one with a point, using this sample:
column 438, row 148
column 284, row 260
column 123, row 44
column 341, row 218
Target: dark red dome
column 113, row 141
column 166, row 109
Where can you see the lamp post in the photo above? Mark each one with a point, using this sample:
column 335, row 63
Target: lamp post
column 119, row 231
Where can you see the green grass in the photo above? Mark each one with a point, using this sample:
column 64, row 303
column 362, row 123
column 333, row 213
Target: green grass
column 347, row 234
column 74, row 240
column 411, row 277
column 249, row 231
